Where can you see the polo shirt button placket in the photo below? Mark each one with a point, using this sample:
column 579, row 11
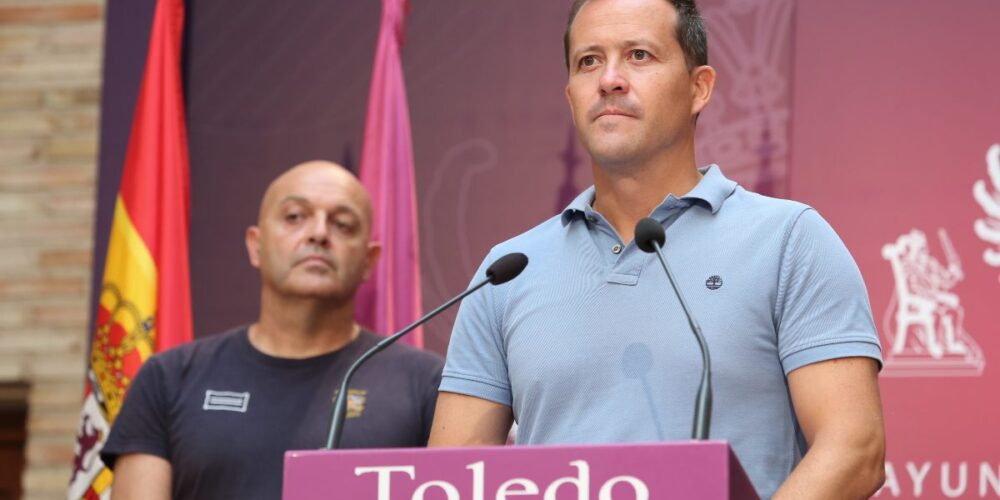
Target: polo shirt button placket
column 616, row 249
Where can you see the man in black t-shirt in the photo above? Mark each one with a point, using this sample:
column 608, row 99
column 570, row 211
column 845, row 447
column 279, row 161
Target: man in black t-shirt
column 213, row 418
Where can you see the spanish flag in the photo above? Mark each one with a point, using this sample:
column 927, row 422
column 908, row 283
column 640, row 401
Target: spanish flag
column 144, row 304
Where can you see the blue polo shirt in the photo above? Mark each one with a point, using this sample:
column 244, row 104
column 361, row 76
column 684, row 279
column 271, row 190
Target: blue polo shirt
column 590, row 345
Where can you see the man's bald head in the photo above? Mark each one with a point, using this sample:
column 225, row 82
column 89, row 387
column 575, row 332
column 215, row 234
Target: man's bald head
column 313, row 235
column 311, row 174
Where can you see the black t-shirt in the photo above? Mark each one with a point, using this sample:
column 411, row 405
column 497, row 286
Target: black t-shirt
column 223, row 413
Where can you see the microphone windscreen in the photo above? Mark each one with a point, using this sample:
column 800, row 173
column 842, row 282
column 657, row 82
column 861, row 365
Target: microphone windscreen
column 646, row 232
column 507, row 268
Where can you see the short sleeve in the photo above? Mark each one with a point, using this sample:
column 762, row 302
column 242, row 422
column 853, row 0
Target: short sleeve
column 428, row 394
column 476, row 363
column 822, row 311
column 141, row 425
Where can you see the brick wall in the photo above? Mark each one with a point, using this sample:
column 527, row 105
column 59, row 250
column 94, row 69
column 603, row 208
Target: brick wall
column 50, row 60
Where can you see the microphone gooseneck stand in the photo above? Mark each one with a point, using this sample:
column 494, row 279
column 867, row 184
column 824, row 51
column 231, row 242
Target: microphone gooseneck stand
column 650, row 237
column 501, row 271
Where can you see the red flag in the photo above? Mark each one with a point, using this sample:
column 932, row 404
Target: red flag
column 145, row 303
column 390, row 300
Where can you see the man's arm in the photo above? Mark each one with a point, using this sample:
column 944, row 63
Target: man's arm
column 461, row 420
column 141, row 476
column 839, row 409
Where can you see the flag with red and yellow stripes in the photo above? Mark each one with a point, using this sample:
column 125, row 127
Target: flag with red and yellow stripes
column 144, row 303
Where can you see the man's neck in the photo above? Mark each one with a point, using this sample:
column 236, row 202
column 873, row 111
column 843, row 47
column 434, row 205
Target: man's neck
column 299, row 327
column 625, row 195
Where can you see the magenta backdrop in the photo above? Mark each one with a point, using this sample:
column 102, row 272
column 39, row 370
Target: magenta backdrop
column 880, row 113
column 895, row 107
column 274, row 83
column 494, row 145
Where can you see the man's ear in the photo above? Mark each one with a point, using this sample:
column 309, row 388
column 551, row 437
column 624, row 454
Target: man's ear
column 253, row 245
column 702, row 84
column 371, row 259
column 569, row 100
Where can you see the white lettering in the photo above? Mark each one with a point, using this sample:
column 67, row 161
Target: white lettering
column 639, row 487
column 963, row 472
column 445, row 486
column 987, row 474
column 478, row 479
column 528, row 487
column 891, row 481
column 383, row 476
column 918, row 476
column 582, row 482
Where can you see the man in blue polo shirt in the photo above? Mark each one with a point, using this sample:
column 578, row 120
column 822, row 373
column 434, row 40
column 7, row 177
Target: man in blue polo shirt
column 591, row 345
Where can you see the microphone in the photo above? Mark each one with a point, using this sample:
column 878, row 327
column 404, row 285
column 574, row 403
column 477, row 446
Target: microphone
column 501, row 271
column 650, row 237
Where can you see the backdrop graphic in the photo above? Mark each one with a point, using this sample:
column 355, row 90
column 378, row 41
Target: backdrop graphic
column 880, row 114
column 895, row 117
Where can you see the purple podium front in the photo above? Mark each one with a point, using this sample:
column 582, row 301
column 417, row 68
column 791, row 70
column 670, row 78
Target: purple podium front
column 704, row 470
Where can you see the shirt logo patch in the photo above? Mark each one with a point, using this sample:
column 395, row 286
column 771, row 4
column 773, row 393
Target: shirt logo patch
column 713, row 282
column 355, row 401
column 226, row 401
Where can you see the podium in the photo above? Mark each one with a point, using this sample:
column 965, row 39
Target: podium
column 703, row 470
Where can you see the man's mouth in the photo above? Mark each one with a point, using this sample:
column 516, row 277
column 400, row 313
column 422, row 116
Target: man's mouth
column 316, row 259
column 614, row 112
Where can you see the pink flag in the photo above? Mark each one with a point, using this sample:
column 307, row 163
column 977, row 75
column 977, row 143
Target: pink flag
column 390, row 300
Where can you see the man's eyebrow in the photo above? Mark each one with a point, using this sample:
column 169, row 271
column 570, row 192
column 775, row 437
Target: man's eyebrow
column 340, row 208
column 294, row 199
column 639, row 41
column 590, row 48
column 346, row 209
column 626, row 44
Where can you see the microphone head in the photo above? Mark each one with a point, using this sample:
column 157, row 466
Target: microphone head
column 646, row 232
column 506, row 268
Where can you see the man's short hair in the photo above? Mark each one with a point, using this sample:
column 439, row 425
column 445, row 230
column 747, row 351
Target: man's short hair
column 690, row 32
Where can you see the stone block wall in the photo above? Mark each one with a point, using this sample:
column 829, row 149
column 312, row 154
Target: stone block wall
column 50, row 72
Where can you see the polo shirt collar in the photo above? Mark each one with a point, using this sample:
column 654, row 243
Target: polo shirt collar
column 580, row 205
column 713, row 189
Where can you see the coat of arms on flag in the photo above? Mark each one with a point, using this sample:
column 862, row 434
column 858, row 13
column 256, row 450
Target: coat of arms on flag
column 144, row 304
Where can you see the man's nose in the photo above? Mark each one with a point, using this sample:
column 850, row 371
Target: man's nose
column 319, row 232
column 613, row 79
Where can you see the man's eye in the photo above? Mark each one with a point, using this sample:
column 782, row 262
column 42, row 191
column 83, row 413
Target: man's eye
column 640, row 55
column 344, row 226
column 586, row 61
column 293, row 217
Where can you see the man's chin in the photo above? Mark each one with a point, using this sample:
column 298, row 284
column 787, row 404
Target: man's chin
column 324, row 292
column 613, row 156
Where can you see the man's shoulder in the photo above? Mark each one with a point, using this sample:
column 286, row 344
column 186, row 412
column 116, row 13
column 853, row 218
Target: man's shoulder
column 404, row 355
column 199, row 350
column 799, row 221
column 752, row 204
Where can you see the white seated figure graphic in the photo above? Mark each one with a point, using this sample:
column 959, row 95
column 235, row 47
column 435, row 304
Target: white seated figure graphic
column 925, row 306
